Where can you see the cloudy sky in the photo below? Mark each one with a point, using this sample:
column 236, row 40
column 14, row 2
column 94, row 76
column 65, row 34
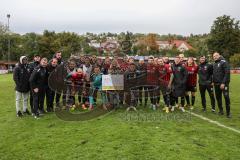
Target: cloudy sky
column 158, row 16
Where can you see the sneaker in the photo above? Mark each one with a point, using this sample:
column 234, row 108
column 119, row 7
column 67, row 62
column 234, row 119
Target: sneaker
column 154, row 107
column 213, row 110
column 182, row 109
column 204, row 109
column 220, row 113
column 229, row 115
column 164, row 108
column 19, row 114
column 177, row 105
column 36, row 116
column 167, row 110
column 172, row 109
column 41, row 112
column 27, row 112
column 74, row 106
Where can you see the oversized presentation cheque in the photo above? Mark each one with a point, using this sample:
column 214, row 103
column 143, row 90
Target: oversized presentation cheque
column 112, row 82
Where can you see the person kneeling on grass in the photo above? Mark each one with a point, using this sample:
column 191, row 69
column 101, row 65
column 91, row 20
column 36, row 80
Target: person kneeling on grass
column 96, row 85
column 74, row 81
column 21, row 77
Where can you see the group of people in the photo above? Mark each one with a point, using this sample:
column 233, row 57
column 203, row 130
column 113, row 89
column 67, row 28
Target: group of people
column 142, row 81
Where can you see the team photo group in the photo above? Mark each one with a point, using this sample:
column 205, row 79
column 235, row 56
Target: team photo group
column 145, row 81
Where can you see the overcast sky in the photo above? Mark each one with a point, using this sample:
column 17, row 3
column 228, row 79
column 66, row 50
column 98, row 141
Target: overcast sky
column 155, row 16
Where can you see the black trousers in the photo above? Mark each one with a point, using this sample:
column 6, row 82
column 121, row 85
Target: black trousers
column 225, row 92
column 31, row 101
column 209, row 88
column 50, row 94
column 38, row 101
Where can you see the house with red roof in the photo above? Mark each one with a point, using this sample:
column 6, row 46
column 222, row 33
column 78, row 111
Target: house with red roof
column 181, row 45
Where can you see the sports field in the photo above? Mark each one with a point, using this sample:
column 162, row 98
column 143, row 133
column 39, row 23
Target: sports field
column 119, row 135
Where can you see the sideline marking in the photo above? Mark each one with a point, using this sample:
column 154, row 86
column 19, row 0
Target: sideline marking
column 214, row 122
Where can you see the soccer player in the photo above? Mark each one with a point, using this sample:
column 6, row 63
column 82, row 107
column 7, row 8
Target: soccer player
column 142, row 69
column 178, row 82
column 164, row 71
column 77, row 79
column 152, row 82
column 192, row 70
column 96, row 85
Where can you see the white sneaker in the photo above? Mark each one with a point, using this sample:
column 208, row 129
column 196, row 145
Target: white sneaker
column 172, row 109
column 182, row 109
column 154, row 107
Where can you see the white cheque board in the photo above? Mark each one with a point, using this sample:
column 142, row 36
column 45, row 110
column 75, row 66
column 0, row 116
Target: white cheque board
column 112, row 82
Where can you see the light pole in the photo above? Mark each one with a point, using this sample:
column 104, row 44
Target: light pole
column 8, row 17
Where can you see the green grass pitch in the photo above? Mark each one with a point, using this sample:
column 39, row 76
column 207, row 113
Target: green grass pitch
column 116, row 136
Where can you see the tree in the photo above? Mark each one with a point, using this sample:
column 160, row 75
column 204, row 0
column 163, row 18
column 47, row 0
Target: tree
column 225, row 36
column 235, row 60
column 152, row 46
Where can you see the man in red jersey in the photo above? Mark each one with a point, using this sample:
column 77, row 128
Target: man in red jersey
column 152, row 82
column 192, row 70
column 164, row 74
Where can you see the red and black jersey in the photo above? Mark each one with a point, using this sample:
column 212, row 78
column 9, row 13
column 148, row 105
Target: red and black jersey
column 169, row 69
column 192, row 75
column 152, row 74
column 163, row 73
column 124, row 66
column 76, row 78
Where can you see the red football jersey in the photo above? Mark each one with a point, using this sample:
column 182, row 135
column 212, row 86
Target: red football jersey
column 192, row 75
column 77, row 78
column 164, row 73
column 152, row 74
column 124, row 66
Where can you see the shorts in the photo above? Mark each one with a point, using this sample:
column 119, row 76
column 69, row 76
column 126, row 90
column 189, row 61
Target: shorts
column 191, row 89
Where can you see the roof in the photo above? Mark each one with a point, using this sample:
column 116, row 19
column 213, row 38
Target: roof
column 177, row 43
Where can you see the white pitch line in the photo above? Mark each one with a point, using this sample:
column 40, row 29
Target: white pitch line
column 214, row 122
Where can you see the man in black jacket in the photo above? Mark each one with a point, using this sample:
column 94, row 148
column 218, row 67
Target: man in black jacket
column 205, row 80
column 221, row 80
column 32, row 66
column 58, row 56
column 38, row 81
column 21, row 76
column 50, row 94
